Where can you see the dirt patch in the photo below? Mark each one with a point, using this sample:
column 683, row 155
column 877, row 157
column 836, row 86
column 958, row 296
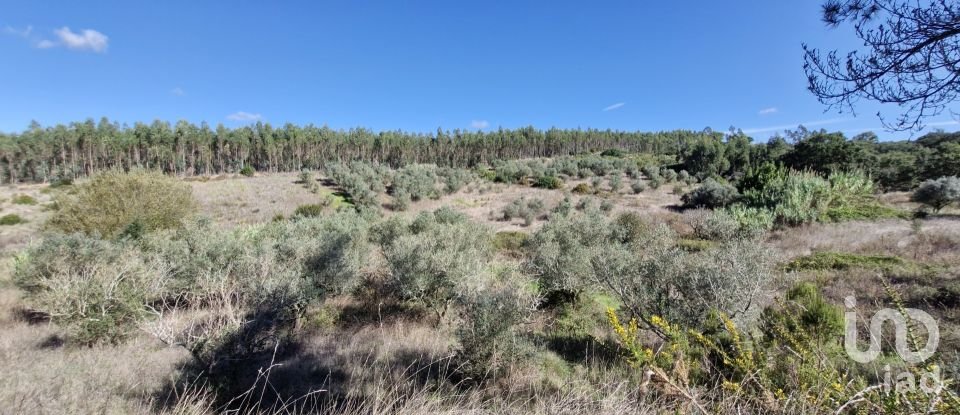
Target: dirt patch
column 242, row 200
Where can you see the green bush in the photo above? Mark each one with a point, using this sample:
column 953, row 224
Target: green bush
column 629, row 227
column 669, row 174
column 95, row 289
column 454, row 179
column 802, row 197
column 549, row 182
column 563, row 207
column 11, row 219
column 401, row 200
column 655, row 182
column 613, row 152
column 638, row 187
column 489, row 341
column 447, row 215
column 616, row 182
column 361, row 181
column 731, row 223
column 805, row 311
column 560, row 253
column 713, row 225
column 238, row 294
column 938, row 193
column 23, row 200
column 523, row 208
column 512, row 171
column 309, row 211
column 248, row 171
column 432, row 264
column 510, row 241
column 652, row 172
column 711, row 194
column 419, row 181
column 111, row 201
column 753, row 221
column 656, row 277
column 305, row 177
column 238, row 289
column 489, row 175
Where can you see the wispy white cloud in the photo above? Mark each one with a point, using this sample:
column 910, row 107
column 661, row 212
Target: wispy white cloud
column 768, row 111
column 880, row 128
column 244, row 116
column 615, row 106
column 854, row 131
column 24, row 33
column 479, row 124
column 178, row 91
column 942, row 123
column 794, row 125
column 84, row 40
column 87, row 39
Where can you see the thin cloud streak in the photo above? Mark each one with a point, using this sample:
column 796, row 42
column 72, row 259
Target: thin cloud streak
column 615, row 106
column 24, row 33
column 244, row 116
column 789, row 126
column 942, row 123
column 768, row 111
column 479, row 124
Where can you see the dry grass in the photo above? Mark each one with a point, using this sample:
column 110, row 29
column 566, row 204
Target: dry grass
column 16, row 237
column 938, row 239
column 40, row 376
column 238, row 200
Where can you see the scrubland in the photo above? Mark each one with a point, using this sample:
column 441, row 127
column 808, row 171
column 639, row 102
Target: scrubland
column 565, row 285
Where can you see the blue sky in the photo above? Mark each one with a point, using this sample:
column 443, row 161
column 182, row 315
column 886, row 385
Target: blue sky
column 419, row 65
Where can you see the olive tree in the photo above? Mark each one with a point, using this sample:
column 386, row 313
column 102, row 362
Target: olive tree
column 938, row 193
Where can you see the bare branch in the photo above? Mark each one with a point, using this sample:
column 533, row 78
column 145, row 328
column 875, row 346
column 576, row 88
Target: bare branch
column 911, row 59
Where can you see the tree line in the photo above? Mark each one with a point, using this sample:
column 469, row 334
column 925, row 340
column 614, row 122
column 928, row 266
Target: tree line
column 81, row 148
column 894, row 165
